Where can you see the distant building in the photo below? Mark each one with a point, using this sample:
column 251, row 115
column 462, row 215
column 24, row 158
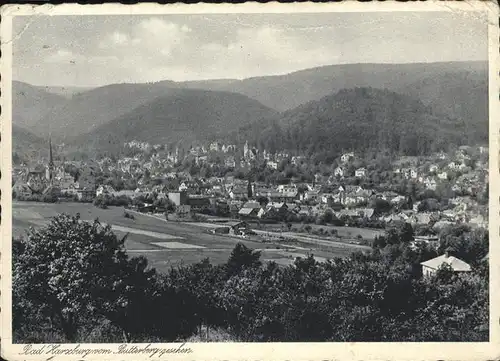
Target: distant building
column 360, row 173
column 178, row 198
column 338, row 172
column 104, row 190
column 36, row 181
column 443, row 175
column 272, row 164
column 287, row 188
column 238, row 193
column 183, row 210
column 85, row 194
column 246, row 151
column 41, row 178
column 126, row 193
column 275, row 209
column 191, row 186
column 288, row 197
column 228, row 148
column 230, row 162
column 430, row 267
column 65, row 180
column 432, row 241
column 234, row 229
column 346, row 157
column 249, row 210
column 21, row 189
column 410, row 173
column 442, row 155
column 296, row 160
column 311, row 195
column 214, row 147
column 199, row 203
column 430, row 183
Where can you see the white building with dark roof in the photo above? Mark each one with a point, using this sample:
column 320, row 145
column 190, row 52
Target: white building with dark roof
column 430, row 267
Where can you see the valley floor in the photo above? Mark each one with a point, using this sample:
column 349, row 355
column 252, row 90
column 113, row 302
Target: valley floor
column 169, row 243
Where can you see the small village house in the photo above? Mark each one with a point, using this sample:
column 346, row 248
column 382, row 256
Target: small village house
column 443, row 175
column 199, row 203
column 430, row 267
column 346, row 157
column 178, row 198
column 249, row 210
column 432, row 241
column 433, row 168
column 360, row 172
column 272, row 164
column 287, row 188
column 104, row 190
column 338, row 172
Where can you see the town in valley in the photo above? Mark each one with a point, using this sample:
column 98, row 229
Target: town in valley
column 253, row 194
column 241, row 178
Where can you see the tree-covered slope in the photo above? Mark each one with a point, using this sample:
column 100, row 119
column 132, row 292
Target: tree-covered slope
column 187, row 115
column 358, row 119
column 30, row 104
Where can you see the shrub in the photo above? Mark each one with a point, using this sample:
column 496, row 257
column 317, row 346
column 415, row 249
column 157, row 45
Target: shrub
column 209, row 335
column 128, row 215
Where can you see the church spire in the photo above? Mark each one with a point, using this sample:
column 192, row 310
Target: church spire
column 51, row 160
column 49, row 173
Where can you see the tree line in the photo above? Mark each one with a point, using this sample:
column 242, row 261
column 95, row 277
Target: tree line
column 74, row 282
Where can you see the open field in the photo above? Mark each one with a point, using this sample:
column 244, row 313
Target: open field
column 342, row 232
column 167, row 243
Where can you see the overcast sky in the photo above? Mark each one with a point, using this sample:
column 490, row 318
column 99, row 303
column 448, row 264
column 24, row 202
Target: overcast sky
column 99, row 50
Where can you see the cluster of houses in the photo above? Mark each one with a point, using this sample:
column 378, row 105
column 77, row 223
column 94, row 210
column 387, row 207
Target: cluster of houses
column 49, row 179
column 257, row 201
column 37, row 181
column 260, row 200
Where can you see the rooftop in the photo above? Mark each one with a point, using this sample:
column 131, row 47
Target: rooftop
column 455, row 263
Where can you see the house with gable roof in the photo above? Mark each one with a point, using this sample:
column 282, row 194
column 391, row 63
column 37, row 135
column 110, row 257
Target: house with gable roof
column 430, row 267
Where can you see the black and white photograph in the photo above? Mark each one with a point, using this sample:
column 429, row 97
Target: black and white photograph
column 247, row 177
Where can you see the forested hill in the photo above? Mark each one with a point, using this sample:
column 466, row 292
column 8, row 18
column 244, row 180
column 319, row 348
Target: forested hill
column 358, row 119
column 27, row 146
column 30, row 103
column 285, row 92
column 460, row 95
column 188, row 115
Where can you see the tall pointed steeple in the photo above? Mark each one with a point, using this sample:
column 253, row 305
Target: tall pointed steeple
column 51, row 160
column 49, row 175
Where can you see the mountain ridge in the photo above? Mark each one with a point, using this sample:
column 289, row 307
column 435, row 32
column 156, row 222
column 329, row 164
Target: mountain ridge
column 29, row 103
column 173, row 118
column 358, row 119
column 455, row 89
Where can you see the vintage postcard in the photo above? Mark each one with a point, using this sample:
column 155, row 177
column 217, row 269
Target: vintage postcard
column 250, row 182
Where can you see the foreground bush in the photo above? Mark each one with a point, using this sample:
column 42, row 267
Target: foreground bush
column 73, row 275
column 74, row 282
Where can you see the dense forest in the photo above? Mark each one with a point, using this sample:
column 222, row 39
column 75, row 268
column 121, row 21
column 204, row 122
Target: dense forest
column 187, row 116
column 73, row 281
column 362, row 119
